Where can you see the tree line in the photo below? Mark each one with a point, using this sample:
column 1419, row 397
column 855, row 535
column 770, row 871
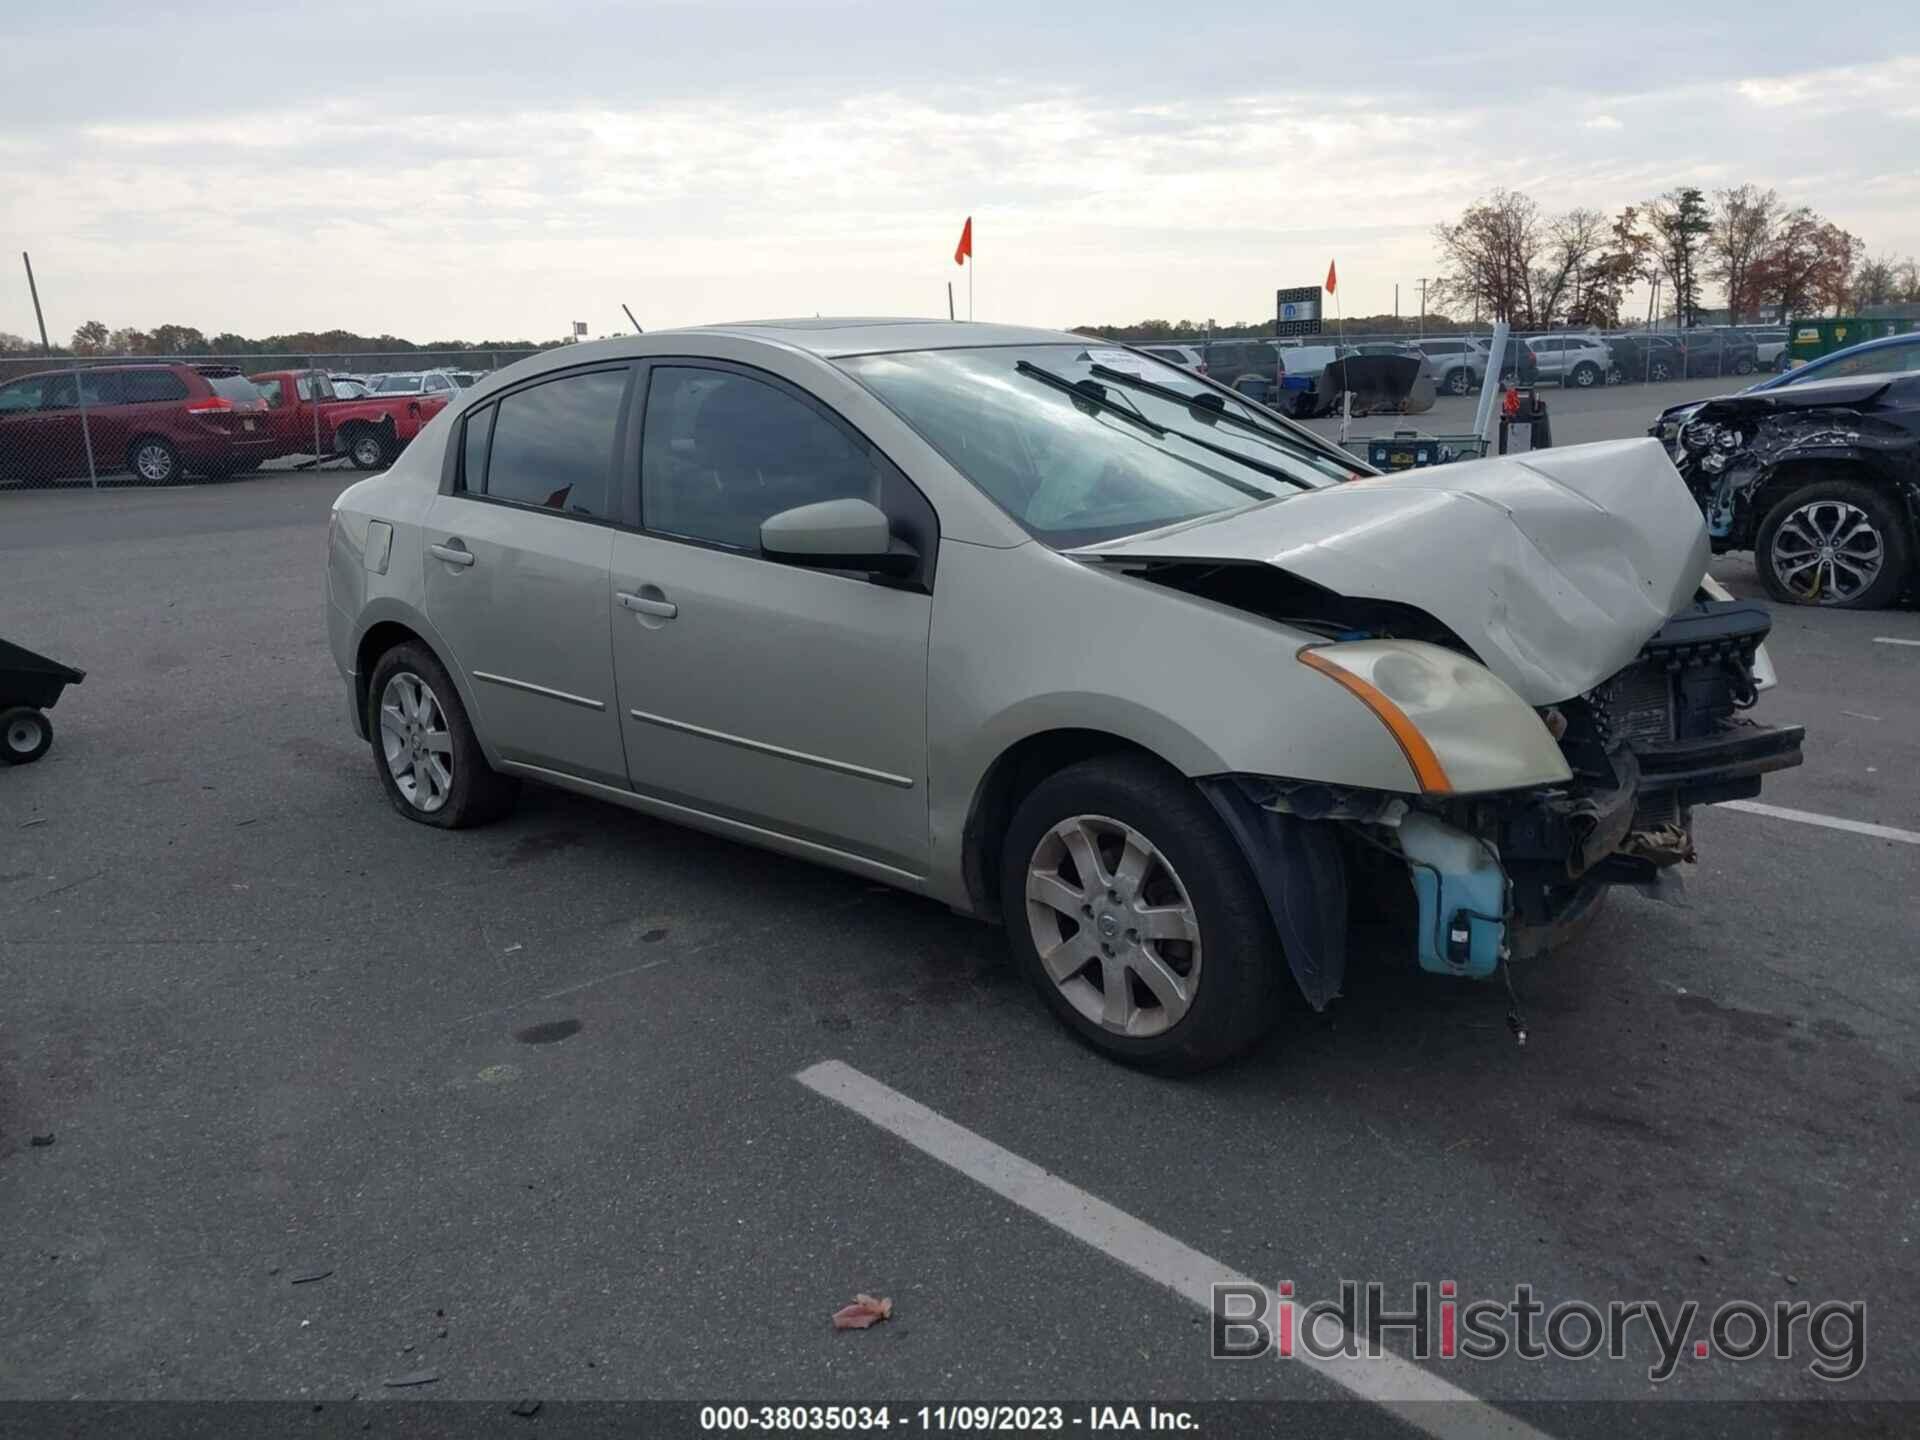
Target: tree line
column 1506, row 258
column 1766, row 260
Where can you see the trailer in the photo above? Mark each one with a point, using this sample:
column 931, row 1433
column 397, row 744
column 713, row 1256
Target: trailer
column 30, row 685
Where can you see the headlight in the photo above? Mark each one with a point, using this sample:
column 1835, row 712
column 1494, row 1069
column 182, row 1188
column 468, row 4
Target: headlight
column 1461, row 729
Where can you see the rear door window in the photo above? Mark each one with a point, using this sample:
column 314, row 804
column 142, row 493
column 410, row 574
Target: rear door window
column 103, row 387
column 553, row 444
column 274, row 392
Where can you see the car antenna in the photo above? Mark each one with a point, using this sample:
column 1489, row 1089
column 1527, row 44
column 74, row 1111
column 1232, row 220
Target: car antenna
column 636, row 324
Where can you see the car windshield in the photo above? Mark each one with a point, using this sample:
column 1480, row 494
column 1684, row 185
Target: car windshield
column 1078, row 454
column 389, row 383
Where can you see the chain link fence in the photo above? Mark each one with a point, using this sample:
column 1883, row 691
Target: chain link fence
column 93, row 421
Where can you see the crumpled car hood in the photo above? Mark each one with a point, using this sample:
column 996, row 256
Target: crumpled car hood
column 1554, row 567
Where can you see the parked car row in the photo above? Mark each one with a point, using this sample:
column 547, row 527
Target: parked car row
column 1457, row 364
column 162, row 421
column 1307, row 379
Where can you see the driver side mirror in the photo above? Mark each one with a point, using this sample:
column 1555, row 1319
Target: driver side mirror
column 837, row 535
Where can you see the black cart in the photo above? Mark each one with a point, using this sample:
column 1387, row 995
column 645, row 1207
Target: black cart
column 30, row 684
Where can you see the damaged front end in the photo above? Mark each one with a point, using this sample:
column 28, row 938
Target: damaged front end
column 1732, row 452
column 1511, row 874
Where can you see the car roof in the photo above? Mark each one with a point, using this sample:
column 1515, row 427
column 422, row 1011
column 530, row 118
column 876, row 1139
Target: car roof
column 113, row 367
column 1814, row 367
column 866, row 335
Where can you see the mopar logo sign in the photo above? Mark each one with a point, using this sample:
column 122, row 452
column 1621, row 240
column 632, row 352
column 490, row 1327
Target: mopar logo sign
column 1297, row 311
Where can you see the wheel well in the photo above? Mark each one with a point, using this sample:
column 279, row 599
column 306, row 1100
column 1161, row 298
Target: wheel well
column 1794, row 474
column 1008, row 781
column 376, row 642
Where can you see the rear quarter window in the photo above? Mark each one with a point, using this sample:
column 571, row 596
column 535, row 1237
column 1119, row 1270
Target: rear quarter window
column 145, row 387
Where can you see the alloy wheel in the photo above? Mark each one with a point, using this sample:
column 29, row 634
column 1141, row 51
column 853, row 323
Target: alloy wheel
column 1827, row 552
column 153, row 462
column 415, row 741
column 368, row 452
column 1113, row 926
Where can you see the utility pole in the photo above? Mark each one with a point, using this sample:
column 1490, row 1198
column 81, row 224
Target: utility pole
column 1396, row 304
column 1423, row 307
column 34, row 290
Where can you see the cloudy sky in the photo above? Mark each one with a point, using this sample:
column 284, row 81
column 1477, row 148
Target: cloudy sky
column 490, row 169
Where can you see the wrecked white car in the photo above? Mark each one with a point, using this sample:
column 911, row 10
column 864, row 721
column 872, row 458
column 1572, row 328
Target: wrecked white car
column 1067, row 638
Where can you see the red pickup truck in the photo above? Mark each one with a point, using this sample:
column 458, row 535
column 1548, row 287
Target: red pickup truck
column 306, row 419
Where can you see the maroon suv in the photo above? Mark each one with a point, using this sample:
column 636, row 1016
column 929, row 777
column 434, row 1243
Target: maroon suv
column 158, row 420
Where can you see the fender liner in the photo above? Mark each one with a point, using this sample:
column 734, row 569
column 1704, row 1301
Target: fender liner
column 1302, row 874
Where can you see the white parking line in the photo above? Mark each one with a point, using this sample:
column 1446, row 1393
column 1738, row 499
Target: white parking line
column 1397, row 1386
column 1893, row 640
column 1829, row 822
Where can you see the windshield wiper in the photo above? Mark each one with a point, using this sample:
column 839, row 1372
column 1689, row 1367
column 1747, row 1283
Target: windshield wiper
column 1216, row 406
column 1093, row 394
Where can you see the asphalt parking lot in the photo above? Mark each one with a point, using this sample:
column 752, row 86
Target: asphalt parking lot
column 525, row 1097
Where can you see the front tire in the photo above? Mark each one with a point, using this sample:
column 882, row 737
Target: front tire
column 1835, row 543
column 25, row 734
column 1660, row 370
column 428, row 758
column 1743, row 366
column 1459, row 382
column 1134, row 914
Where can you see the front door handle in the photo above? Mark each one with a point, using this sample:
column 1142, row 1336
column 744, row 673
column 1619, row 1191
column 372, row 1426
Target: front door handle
column 648, row 605
column 453, row 552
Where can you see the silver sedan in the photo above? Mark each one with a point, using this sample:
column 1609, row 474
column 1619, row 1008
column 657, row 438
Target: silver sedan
column 1070, row 639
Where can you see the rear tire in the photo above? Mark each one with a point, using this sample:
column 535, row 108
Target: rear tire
column 1459, row 382
column 369, row 449
column 154, row 461
column 428, row 758
column 25, row 734
column 1659, row 370
column 1743, row 366
column 1121, row 972
column 1866, row 524
column 1586, row 375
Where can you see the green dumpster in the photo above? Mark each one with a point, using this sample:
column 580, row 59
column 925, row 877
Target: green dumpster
column 1810, row 339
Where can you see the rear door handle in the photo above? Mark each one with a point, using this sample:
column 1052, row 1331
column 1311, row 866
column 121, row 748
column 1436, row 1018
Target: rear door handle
column 645, row 605
column 453, row 552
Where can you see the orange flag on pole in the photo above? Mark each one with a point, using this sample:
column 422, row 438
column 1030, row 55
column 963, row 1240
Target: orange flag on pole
column 964, row 250
column 1333, row 278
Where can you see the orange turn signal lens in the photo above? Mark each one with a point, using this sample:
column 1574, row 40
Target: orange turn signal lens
column 1426, row 765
